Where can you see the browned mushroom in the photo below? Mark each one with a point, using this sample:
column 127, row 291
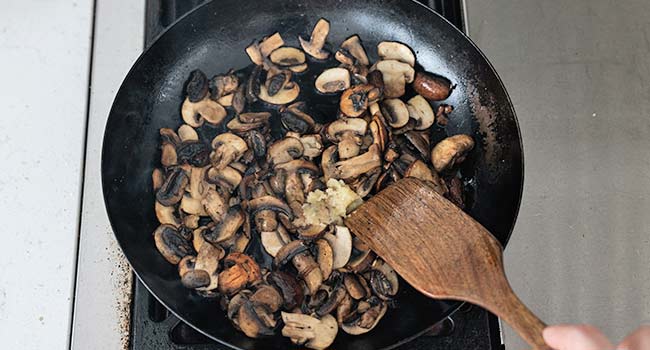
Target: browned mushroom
column 291, row 290
column 451, row 151
column 314, row 47
column 226, row 228
column 228, row 148
column 341, row 243
column 432, row 87
column 325, row 257
column 333, row 80
column 171, row 191
column 312, row 145
column 362, row 321
column 239, row 270
column 353, row 46
column 395, row 112
column 347, row 132
column 360, row 164
column 420, row 110
column 355, row 100
column 223, row 85
column 383, row 280
column 395, row 76
column 287, row 57
column 166, row 215
column 284, row 150
column 420, row 170
column 170, row 244
column 273, row 241
column 195, row 113
column 297, row 253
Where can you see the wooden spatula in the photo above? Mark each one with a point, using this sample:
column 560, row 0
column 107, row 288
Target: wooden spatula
column 442, row 252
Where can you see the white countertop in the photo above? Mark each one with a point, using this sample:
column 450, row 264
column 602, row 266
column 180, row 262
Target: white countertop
column 44, row 61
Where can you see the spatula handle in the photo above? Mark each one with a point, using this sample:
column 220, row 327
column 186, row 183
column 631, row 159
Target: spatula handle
column 513, row 311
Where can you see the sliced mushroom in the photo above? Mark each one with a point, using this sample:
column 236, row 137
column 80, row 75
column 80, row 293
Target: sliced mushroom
column 187, row 133
column 251, row 321
column 228, row 148
column 328, row 162
column 310, row 331
column 383, row 280
column 361, row 262
column 195, row 153
column 276, row 80
column 364, row 322
column 291, row 290
column 395, row 75
column 227, row 178
column 393, row 50
column 312, row 231
column 451, row 151
column 364, row 183
column 268, row 296
column 341, row 243
column 294, row 119
column 285, row 150
column 166, row 215
column 324, row 257
column 253, row 52
column 171, row 191
column 193, row 206
column 395, row 112
column 299, row 68
column 287, row 56
column 268, row 202
column 297, row 253
column 226, row 228
column 354, row 286
column 432, row 87
column 270, row 43
column 347, row 132
column 223, row 85
column 207, row 260
column 420, row 170
column 294, row 186
column 191, row 278
column 285, row 95
column 312, row 145
column 191, row 221
column 314, row 47
column 378, row 131
column 254, row 117
column 333, row 80
column 333, row 300
column 239, row 270
column 420, row 110
column 157, row 178
column 355, row 48
column 355, row 100
column 237, row 126
column 170, row 244
column 215, row 205
column 353, row 167
column 195, row 113
column 272, row 241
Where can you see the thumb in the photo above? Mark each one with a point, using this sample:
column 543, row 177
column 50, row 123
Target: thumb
column 576, row 337
column 638, row 340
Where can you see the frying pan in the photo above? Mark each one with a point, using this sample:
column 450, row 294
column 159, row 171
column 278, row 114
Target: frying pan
column 212, row 38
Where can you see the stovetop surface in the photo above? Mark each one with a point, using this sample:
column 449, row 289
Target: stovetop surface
column 154, row 327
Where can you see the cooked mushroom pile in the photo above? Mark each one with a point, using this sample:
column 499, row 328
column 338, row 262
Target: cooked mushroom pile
column 253, row 188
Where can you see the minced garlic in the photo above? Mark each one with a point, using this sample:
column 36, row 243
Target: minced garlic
column 331, row 206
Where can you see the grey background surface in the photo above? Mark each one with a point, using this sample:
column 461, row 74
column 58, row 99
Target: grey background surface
column 578, row 73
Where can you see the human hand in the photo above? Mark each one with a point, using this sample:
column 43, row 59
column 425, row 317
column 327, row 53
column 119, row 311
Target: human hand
column 586, row 337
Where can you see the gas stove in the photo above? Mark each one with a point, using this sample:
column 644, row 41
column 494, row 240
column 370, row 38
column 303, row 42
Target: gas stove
column 152, row 326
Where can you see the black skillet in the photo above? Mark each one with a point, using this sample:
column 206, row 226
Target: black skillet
column 212, row 38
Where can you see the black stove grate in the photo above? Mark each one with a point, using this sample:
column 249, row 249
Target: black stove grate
column 153, row 327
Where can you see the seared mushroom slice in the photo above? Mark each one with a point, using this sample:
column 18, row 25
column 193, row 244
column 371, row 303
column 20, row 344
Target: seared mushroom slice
column 235, row 125
column 328, row 162
column 223, row 85
column 354, row 286
column 314, row 47
column 432, row 87
column 420, row 110
column 355, row 100
column 272, row 241
column 276, row 80
column 312, row 145
column 395, row 75
column 324, row 257
column 255, row 321
column 291, row 290
column 264, row 210
column 361, row 262
column 310, row 331
column 418, row 140
column 187, row 133
column 341, row 243
column 197, row 86
column 208, row 260
column 451, row 151
column 334, row 298
column 191, row 278
column 226, row 228
column 227, row 178
column 347, row 132
column 166, row 215
column 195, row 153
column 215, row 205
column 287, row 56
column 383, row 280
column 171, row 191
column 228, row 148
column 364, row 183
column 395, row 112
column 270, row 44
column 254, row 117
column 268, row 296
column 393, row 50
column 298, row 254
column 294, row 186
column 192, row 206
column 363, row 321
column 253, row 87
column 296, row 120
column 170, row 244
column 284, row 150
column 239, row 270
column 420, row 170
column 285, row 95
column 195, row 113
column 361, row 164
column 378, row 131
column 333, row 80
column 353, row 46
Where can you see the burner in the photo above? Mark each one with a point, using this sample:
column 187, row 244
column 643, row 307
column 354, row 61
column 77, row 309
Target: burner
column 153, row 327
